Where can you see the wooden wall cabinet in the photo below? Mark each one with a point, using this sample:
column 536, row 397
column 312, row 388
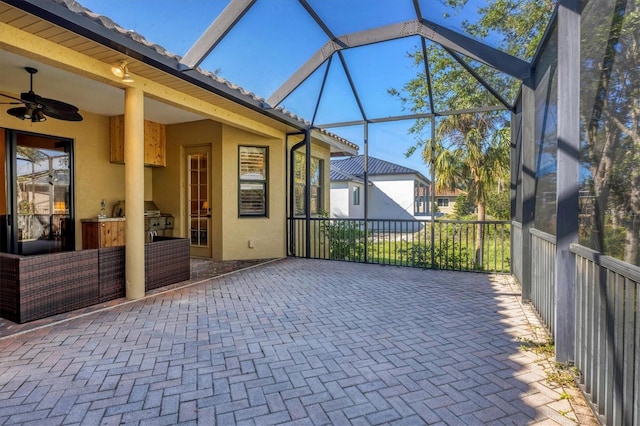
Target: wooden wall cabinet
column 154, row 142
column 100, row 233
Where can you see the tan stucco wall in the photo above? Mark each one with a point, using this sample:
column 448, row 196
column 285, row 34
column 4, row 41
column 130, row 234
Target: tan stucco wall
column 95, row 177
column 170, row 182
column 268, row 235
column 231, row 235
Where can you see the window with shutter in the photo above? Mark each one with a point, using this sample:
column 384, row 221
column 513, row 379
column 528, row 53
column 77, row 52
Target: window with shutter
column 252, row 197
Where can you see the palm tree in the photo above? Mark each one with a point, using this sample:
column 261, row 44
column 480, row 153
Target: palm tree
column 470, row 153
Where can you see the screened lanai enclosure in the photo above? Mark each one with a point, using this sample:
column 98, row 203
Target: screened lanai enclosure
column 553, row 85
column 380, row 80
column 575, row 170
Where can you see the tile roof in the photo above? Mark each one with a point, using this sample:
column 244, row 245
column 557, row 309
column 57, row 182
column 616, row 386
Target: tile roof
column 337, row 175
column 108, row 23
column 355, row 166
column 448, row 193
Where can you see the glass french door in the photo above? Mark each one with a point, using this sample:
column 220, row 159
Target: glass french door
column 38, row 201
column 199, row 176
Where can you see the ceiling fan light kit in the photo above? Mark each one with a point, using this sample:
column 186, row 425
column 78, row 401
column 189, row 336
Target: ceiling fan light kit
column 29, row 112
column 37, row 108
column 24, row 113
column 39, row 116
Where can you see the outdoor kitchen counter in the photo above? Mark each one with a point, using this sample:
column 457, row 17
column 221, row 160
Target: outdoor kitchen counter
column 103, row 232
column 103, row 219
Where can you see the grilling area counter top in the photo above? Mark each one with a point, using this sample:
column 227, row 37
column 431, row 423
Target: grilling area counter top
column 103, row 219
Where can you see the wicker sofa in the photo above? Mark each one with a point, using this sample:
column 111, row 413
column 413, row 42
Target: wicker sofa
column 35, row 287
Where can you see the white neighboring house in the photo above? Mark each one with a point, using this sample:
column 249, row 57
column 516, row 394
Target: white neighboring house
column 395, row 192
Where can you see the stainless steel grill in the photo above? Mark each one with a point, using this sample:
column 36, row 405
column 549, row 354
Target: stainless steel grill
column 155, row 223
column 150, row 209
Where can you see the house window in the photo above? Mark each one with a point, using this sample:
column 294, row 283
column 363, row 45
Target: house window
column 315, row 185
column 37, row 190
column 356, row 196
column 421, row 203
column 443, row 202
column 252, row 177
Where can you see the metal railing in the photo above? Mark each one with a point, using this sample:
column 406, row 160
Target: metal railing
column 444, row 244
column 543, row 277
column 608, row 334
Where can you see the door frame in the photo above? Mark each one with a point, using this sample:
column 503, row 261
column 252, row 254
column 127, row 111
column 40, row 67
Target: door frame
column 199, row 250
column 10, row 243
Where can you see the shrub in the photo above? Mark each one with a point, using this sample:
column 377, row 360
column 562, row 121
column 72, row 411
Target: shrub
column 447, row 255
column 345, row 239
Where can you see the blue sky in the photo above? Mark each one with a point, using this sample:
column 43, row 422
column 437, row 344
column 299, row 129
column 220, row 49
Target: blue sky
column 276, row 37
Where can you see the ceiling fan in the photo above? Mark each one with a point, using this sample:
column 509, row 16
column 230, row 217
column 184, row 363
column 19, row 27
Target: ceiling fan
column 36, row 107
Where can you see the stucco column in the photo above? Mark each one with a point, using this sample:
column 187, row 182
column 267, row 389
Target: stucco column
column 134, row 191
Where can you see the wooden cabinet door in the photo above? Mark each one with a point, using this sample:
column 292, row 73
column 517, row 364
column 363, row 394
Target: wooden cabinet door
column 90, row 235
column 154, row 142
column 112, row 234
column 102, row 234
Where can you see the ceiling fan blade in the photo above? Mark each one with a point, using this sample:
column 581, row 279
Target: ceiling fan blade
column 17, row 112
column 57, row 106
column 61, row 115
column 36, row 107
column 12, row 97
column 11, row 103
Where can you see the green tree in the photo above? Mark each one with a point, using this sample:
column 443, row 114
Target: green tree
column 610, row 116
column 499, row 200
column 471, row 151
column 470, row 154
column 520, row 23
column 463, row 207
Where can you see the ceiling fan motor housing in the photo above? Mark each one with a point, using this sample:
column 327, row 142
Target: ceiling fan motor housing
column 31, row 97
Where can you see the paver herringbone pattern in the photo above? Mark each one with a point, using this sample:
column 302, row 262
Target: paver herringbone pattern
column 295, row 341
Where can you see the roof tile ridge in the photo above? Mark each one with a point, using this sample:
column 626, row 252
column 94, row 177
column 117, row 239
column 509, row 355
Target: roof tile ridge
column 110, row 24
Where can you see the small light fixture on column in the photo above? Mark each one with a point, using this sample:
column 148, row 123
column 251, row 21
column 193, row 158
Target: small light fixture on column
column 122, row 71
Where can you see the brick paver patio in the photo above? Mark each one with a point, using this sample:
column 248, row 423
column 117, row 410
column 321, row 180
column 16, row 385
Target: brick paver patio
column 293, row 341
